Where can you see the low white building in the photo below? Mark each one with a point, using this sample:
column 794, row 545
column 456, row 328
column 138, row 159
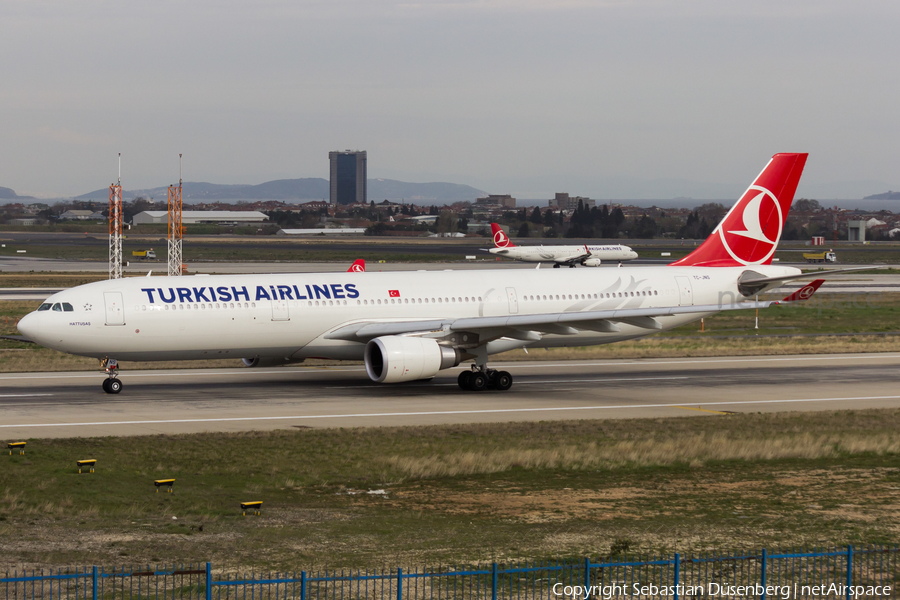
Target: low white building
column 81, row 215
column 193, row 217
column 323, row 231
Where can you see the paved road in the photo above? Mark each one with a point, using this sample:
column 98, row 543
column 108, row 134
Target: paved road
column 36, row 405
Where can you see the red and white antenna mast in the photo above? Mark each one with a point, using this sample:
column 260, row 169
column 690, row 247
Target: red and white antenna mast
column 176, row 229
column 116, row 226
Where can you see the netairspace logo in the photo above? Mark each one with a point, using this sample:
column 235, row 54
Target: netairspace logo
column 720, row 590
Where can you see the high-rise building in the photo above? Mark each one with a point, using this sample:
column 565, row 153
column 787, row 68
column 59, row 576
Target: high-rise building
column 504, row 200
column 348, row 176
column 564, row 201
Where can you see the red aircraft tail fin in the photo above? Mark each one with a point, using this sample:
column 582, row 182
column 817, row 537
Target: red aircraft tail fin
column 749, row 233
column 501, row 240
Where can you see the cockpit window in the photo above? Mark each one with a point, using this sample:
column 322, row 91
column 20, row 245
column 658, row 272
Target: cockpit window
column 57, row 307
column 67, row 307
column 44, row 306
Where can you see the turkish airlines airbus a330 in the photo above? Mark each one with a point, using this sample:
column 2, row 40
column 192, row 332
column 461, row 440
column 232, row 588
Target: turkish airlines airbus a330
column 587, row 255
column 410, row 325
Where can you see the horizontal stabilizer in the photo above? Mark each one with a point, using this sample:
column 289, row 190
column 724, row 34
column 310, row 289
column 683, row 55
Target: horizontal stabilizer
column 806, row 292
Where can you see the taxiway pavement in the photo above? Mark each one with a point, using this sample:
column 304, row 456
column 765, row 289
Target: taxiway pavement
column 41, row 405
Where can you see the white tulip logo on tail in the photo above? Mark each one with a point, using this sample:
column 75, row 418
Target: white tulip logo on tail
column 751, row 229
column 500, row 239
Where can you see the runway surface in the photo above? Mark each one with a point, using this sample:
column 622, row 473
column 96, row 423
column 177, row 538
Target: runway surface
column 40, row 405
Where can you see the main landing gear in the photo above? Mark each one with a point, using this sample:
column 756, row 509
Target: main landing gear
column 112, row 384
column 478, row 380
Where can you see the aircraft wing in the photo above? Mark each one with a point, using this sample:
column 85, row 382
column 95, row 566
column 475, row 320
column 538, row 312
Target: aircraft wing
column 572, row 260
column 751, row 282
column 527, row 327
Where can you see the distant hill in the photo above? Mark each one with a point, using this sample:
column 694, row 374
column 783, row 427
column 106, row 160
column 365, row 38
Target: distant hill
column 417, row 193
column 193, row 191
column 8, row 194
column 885, row 196
column 299, row 190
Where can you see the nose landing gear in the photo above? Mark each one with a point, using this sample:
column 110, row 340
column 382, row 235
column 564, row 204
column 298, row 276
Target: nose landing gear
column 480, row 379
column 112, row 384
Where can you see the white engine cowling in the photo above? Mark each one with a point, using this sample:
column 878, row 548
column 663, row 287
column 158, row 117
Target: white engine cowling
column 392, row 359
column 270, row 361
column 592, row 262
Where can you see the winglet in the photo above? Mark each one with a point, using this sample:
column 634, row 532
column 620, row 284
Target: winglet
column 501, row 240
column 806, row 292
column 358, row 266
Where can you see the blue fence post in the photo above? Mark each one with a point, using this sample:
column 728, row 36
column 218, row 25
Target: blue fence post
column 587, row 572
column 302, row 585
column 494, row 581
column 208, row 581
column 94, row 583
column 762, row 574
column 849, row 569
column 399, row 583
column 677, row 573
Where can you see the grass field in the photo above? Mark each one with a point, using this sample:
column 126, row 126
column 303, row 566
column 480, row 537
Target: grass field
column 454, row 494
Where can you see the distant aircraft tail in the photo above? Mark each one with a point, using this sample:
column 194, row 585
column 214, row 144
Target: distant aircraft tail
column 501, row 240
column 359, row 266
column 749, row 233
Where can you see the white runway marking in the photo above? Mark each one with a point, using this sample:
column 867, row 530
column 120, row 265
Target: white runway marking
column 367, row 384
column 22, row 395
column 575, row 364
column 184, row 373
column 445, row 412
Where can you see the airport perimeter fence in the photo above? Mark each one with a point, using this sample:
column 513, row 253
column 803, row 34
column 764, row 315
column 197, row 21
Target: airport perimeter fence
column 844, row 573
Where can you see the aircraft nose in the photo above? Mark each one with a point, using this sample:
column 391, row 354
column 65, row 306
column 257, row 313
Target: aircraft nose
column 27, row 325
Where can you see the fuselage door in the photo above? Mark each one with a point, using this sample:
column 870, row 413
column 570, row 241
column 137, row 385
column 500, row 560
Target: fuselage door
column 115, row 308
column 513, row 301
column 280, row 310
column 685, row 291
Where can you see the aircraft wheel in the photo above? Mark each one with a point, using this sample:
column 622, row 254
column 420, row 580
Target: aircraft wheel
column 571, row 266
column 478, row 382
column 556, row 266
column 503, row 381
column 114, row 386
column 106, row 385
column 465, row 380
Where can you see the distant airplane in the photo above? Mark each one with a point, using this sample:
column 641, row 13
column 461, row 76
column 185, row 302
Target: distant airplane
column 407, row 326
column 358, row 266
column 589, row 256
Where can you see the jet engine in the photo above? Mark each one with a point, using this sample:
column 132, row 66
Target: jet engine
column 392, row 359
column 591, row 262
column 269, row 361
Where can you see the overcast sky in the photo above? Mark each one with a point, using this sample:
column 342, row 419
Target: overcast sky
column 512, row 96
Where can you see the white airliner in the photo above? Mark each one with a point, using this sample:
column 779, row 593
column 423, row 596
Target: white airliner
column 589, row 256
column 409, row 325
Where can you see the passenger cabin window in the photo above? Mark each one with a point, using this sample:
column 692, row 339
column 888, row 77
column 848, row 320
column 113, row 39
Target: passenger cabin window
column 44, row 306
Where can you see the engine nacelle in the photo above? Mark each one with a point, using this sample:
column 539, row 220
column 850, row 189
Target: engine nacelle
column 269, row 361
column 392, row 359
column 591, row 262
